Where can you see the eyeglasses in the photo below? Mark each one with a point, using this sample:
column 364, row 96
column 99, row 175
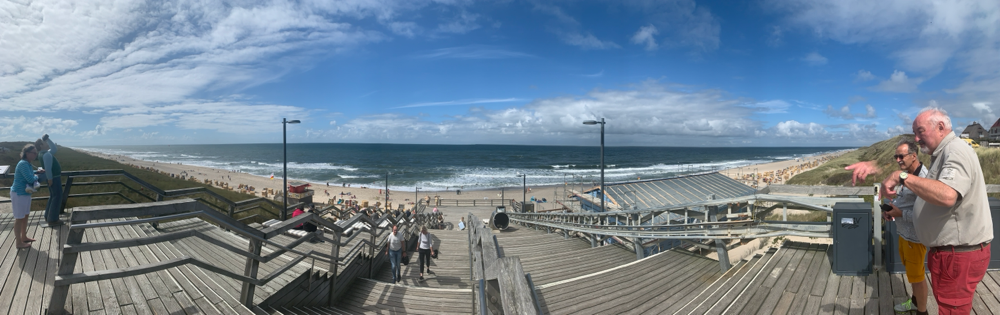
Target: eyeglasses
column 900, row 156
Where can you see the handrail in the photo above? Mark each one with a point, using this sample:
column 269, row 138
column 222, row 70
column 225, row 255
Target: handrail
column 83, row 217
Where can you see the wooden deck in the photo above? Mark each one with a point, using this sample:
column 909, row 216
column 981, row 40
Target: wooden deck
column 569, row 277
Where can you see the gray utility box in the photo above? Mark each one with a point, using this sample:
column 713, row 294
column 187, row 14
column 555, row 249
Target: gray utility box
column 994, row 251
column 893, row 262
column 852, row 239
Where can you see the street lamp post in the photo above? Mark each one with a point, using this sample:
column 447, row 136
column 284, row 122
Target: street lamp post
column 284, row 167
column 524, row 189
column 594, row 122
column 416, row 196
column 387, row 191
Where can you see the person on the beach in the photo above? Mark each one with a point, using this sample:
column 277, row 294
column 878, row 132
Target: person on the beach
column 951, row 213
column 910, row 249
column 47, row 149
column 461, row 224
column 20, row 199
column 396, row 252
column 426, row 249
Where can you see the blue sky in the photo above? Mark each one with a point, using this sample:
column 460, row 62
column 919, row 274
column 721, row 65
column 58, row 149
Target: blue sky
column 662, row 73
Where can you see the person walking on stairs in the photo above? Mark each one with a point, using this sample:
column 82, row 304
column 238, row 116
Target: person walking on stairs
column 395, row 250
column 426, row 249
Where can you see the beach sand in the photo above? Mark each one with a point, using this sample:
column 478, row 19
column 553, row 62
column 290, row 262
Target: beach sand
column 324, row 193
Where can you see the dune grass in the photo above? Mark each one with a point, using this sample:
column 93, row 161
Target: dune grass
column 833, row 173
column 72, row 160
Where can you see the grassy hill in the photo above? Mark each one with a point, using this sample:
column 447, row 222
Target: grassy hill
column 833, row 173
column 72, row 160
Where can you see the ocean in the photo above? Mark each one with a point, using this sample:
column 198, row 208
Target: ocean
column 450, row 167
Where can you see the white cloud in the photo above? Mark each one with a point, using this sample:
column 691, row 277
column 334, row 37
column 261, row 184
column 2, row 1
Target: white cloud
column 770, row 107
column 464, row 23
column 587, row 41
column 646, row 35
column 463, row 102
column 814, row 59
column 471, row 52
column 31, row 128
column 845, row 112
column 984, row 107
column 406, row 29
column 898, row 82
column 792, row 128
column 863, row 75
column 775, row 39
column 682, row 23
column 925, row 37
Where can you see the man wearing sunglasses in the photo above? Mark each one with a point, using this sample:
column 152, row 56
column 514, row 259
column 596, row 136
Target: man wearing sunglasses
column 910, row 249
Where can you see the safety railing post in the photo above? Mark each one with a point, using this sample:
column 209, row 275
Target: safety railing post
column 252, row 266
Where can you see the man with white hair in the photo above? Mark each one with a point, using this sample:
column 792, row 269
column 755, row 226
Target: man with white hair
column 951, row 213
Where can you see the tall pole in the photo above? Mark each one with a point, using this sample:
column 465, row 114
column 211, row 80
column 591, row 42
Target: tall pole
column 602, row 165
column 524, row 190
column 284, row 164
column 386, row 191
column 284, row 168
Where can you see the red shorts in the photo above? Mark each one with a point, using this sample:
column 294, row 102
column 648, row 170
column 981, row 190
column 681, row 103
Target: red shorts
column 954, row 276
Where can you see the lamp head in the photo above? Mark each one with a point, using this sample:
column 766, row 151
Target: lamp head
column 590, row 122
column 292, row 121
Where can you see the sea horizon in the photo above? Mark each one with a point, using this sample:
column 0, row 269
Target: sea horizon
column 440, row 167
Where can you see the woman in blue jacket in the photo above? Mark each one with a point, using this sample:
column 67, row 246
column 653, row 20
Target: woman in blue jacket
column 20, row 199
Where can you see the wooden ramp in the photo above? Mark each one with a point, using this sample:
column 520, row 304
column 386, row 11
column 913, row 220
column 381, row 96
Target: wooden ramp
column 650, row 284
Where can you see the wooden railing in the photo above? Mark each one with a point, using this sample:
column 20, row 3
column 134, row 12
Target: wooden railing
column 353, row 261
column 500, row 284
column 153, row 193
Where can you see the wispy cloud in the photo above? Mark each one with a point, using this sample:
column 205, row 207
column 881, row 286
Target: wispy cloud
column 646, row 35
column 595, row 75
column 814, row 59
column 471, row 52
column 463, row 102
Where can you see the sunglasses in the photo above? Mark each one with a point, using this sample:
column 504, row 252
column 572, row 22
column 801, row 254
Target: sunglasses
column 900, row 156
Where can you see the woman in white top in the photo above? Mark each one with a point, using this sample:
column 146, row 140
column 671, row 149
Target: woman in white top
column 426, row 249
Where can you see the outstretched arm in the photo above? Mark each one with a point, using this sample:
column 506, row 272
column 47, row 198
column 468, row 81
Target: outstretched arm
column 862, row 170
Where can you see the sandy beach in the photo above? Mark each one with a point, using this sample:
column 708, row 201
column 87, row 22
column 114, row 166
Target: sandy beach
column 775, row 172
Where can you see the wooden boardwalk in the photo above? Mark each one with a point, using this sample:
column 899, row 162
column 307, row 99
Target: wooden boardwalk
column 569, row 277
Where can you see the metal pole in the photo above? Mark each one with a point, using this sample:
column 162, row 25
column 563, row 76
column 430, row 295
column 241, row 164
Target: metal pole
column 602, row 165
column 284, row 168
column 524, row 190
column 386, row 191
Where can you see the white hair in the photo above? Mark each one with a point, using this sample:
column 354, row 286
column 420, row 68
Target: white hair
column 937, row 115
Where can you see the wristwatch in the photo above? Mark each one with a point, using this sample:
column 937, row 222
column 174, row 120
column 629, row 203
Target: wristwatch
column 902, row 177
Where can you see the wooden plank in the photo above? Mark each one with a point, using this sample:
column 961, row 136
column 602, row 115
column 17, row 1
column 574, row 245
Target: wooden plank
column 162, row 283
column 784, row 304
column 675, row 285
column 728, row 293
column 138, row 287
column 739, row 301
column 885, row 300
column 803, row 269
column 33, row 265
column 158, row 208
column 780, row 285
column 828, row 304
column 814, row 305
